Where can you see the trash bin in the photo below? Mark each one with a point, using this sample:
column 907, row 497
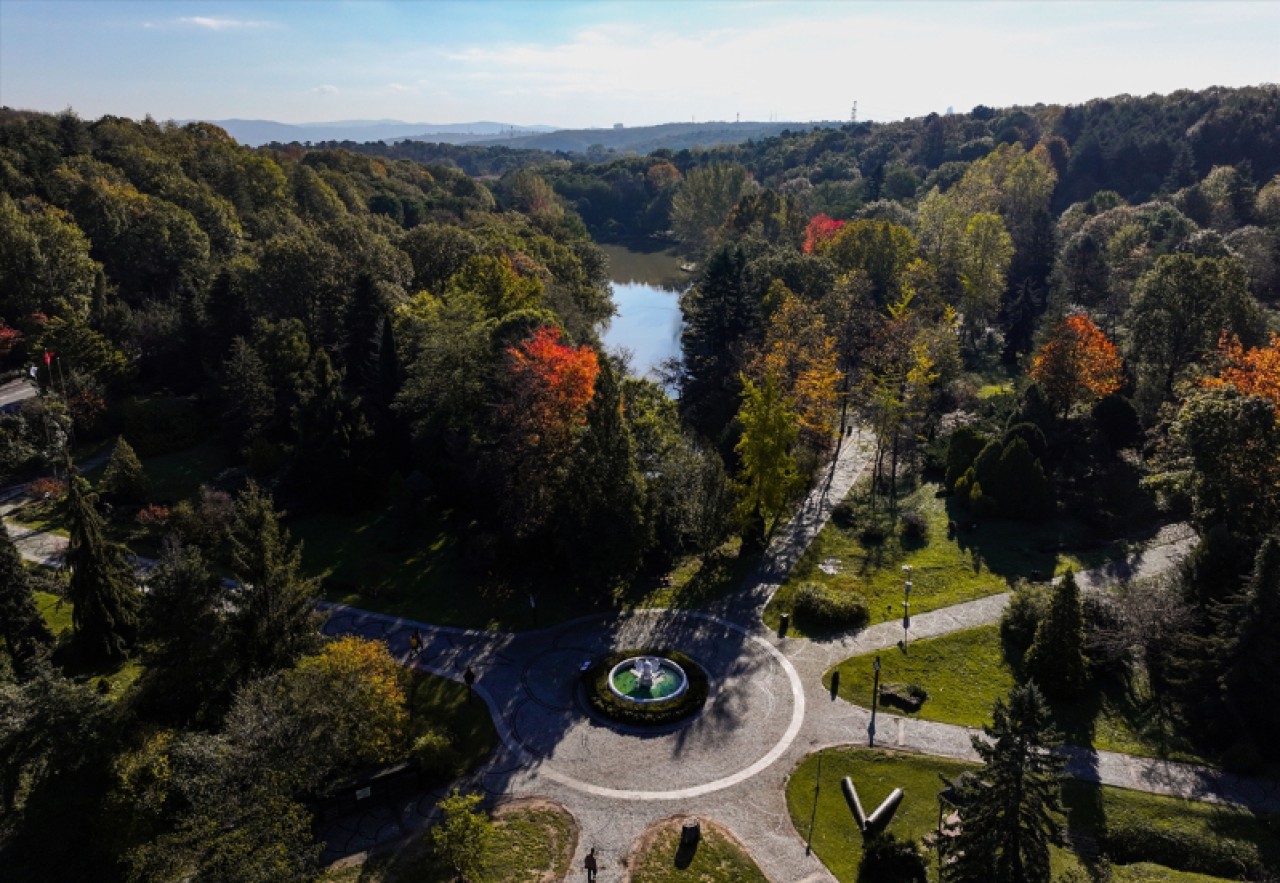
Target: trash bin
column 784, row 623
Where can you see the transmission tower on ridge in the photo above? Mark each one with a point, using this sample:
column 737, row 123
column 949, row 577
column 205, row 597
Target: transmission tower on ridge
column 853, row 115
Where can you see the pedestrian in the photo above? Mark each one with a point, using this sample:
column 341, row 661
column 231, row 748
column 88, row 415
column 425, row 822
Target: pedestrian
column 469, row 678
column 415, row 644
column 590, row 864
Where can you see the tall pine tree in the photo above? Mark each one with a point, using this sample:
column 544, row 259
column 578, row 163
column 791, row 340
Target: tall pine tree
column 1056, row 658
column 1009, row 811
column 274, row 621
column 105, row 601
column 21, row 626
column 1247, row 642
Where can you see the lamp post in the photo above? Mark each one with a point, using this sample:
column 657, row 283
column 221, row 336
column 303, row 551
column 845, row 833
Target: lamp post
column 875, row 700
column 906, row 604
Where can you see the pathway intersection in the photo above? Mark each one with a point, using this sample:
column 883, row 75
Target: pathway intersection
column 767, row 709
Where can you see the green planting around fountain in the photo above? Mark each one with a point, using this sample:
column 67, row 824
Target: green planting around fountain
column 657, row 704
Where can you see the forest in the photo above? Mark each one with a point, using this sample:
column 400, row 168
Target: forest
column 1052, row 312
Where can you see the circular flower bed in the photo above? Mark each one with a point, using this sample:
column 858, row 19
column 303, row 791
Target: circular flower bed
column 603, row 701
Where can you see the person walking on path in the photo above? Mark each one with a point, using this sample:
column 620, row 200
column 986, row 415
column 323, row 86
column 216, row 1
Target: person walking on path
column 415, row 644
column 590, row 864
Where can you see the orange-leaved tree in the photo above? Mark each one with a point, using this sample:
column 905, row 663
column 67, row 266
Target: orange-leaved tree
column 552, row 382
column 1078, row 363
column 1254, row 372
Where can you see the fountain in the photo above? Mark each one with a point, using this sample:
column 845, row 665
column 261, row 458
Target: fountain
column 645, row 679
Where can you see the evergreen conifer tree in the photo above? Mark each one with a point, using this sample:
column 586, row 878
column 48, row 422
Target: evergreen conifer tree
column 1056, row 659
column 104, row 597
column 1008, row 812
column 1248, row 642
column 274, row 621
column 21, row 626
column 124, row 478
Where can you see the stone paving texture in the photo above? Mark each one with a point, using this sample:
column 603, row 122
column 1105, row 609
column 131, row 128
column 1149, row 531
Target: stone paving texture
column 768, row 709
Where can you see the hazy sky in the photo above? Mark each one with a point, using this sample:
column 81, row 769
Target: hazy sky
column 583, row 64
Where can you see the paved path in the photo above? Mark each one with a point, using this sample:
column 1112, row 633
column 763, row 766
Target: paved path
column 767, row 711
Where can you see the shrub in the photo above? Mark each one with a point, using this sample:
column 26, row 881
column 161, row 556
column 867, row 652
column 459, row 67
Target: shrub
column 908, row 697
column 963, row 448
column 1184, row 844
column 874, row 533
column 153, row 515
column 1117, row 420
column 886, row 859
column 1028, row 604
column 48, row 488
column 843, row 515
column 828, row 608
column 435, row 756
column 914, row 527
column 651, row 714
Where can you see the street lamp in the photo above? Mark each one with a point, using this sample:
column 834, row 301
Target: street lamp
column 906, row 603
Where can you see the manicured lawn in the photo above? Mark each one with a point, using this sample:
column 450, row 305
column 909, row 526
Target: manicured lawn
column 966, row 671
column 694, row 580
column 439, row 703
column 366, row 563
column 1147, row 872
column 533, row 841
column 1128, row 825
column 946, row 569
column 57, row 616
column 717, row 857
column 40, row 515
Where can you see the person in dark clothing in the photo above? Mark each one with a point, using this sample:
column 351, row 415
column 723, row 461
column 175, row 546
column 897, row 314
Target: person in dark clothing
column 590, row 864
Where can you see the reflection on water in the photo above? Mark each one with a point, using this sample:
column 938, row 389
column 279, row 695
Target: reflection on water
column 648, row 324
column 646, row 291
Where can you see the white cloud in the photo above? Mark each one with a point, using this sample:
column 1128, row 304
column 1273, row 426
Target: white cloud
column 213, row 23
column 325, row 90
column 399, row 88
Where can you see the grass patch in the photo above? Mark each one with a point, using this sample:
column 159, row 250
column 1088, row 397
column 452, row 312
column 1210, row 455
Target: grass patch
column 1182, row 834
column 45, row 516
column 695, row 580
column 1147, row 872
column 659, row 857
column 966, row 671
column 441, row 704
column 56, row 613
column 178, row 476
column 532, row 841
column 946, row 569
column 57, row 616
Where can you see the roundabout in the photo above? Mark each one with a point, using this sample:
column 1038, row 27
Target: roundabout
column 754, row 709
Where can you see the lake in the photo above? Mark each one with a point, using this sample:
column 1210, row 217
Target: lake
column 647, row 282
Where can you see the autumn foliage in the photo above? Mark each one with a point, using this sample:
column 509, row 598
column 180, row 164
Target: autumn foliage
column 1254, row 372
column 820, row 229
column 1077, row 364
column 366, row 695
column 552, row 384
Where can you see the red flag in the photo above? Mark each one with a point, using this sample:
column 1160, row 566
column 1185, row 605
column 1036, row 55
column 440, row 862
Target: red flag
column 48, row 358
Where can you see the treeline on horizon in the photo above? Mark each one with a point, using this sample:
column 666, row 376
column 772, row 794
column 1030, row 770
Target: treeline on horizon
column 1051, row 312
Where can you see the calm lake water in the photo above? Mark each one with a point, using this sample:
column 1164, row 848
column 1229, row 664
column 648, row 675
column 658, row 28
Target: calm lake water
column 646, row 289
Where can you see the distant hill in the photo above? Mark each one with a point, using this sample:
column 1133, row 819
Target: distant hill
column 645, row 139
column 254, row 133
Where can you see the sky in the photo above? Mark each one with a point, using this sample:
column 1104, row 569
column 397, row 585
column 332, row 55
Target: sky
column 594, row 64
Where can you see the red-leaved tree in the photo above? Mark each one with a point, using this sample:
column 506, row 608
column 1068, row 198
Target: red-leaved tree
column 551, row 384
column 820, row 229
column 1078, row 363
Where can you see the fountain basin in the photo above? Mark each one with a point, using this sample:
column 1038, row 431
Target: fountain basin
column 613, row 687
column 647, row 679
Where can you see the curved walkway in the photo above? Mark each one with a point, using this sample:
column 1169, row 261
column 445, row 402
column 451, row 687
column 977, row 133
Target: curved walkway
column 767, row 711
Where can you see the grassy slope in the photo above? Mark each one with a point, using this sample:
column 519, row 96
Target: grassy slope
column 1090, row 809
column 965, row 672
column 530, row 843
column 946, row 569
column 716, row 859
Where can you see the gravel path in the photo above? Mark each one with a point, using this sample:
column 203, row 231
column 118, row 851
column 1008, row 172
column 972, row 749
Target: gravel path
column 767, row 711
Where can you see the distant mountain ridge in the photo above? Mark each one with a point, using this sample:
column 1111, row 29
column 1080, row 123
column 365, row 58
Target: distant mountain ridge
column 487, row 133
column 254, row 133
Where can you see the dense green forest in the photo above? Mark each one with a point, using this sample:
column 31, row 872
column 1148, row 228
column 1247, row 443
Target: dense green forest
column 1054, row 312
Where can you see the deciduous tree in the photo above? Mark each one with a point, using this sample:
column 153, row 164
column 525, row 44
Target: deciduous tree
column 1077, row 364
